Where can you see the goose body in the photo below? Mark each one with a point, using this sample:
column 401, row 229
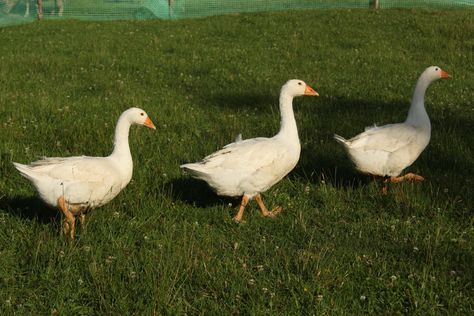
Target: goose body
column 248, row 166
column 77, row 184
column 387, row 150
column 251, row 166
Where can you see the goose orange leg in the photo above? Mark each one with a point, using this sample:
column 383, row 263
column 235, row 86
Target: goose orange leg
column 70, row 221
column 265, row 212
column 240, row 213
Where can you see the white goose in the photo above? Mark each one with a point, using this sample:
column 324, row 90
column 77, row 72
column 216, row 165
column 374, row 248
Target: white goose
column 251, row 166
column 77, row 184
column 387, row 150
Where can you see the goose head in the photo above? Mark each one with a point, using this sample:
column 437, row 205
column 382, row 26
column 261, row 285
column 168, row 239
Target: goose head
column 296, row 87
column 139, row 117
column 434, row 73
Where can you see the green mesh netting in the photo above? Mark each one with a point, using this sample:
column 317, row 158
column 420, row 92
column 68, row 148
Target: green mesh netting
column 20, row 11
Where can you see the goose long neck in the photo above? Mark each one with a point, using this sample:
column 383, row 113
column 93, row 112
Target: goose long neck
column 417, row 114
column 288, row 123
column 121, row 146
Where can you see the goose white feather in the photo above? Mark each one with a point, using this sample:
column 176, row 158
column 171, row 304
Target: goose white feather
column 251, row 166
column 82, row 182
column 387, row 150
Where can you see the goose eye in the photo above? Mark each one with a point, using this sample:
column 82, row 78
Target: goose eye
column 142, row 114
column 437, row 69
column 300, row 83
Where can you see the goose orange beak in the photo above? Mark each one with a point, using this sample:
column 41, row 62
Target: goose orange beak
column 148, row 123
column 310, row 91
column 444, row 74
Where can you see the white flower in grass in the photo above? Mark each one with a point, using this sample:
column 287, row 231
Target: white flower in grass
column 362, row 298
column 251, row 282
column 393, row 278
column 415, row 248
column 319, row 297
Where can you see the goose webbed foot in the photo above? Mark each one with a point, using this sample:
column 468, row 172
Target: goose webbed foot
column 409, row 176
column 263, row 209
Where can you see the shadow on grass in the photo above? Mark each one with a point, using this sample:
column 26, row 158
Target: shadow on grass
column 323, row 168
column 196, row 192
column 29, row 208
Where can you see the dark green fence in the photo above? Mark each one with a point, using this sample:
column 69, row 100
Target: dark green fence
column 19, row 11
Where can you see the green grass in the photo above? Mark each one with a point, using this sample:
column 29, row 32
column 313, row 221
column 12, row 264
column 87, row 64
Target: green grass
column 166, row 244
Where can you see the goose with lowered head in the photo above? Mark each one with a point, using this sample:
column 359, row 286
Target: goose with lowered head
column 76, row 184
column 387, row 150
column 249, row 167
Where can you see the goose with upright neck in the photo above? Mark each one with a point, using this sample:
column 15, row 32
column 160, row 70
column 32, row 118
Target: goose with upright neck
column 387, row 150
column 249, row 167
column 77, row 184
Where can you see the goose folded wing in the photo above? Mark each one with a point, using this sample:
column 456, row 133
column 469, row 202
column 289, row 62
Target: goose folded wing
column 76, row 169
column 246, row 155
column 389, row 138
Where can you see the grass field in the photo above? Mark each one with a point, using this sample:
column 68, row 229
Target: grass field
column 167, row 244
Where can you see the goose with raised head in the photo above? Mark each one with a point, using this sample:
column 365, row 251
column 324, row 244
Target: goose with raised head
column 249, row 167
column 387, row 150
column 76, row 184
